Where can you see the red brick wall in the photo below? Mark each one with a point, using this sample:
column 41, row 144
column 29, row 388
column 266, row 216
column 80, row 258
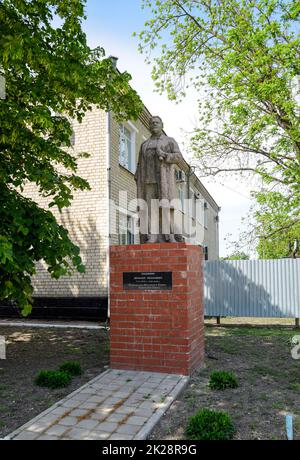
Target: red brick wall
column 160, row 331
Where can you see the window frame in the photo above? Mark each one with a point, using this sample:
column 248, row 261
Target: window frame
column 127, row 134
column 206, row 210
column 128, row 235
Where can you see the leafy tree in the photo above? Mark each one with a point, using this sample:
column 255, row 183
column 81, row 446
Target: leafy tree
column 48, row 70
column 243, row 57
column 238, row 255
column 274, row 228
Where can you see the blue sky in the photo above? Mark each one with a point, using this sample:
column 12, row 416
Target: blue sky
column 110, row 24
column 124, row 14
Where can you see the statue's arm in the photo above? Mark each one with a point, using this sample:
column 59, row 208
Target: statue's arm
column 175, row 156
column 138, row 166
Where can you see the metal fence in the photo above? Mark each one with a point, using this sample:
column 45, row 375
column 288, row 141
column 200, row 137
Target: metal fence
column 257, row 288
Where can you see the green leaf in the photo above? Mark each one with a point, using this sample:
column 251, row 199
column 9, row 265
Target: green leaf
column 241, row 57
column 52, row 78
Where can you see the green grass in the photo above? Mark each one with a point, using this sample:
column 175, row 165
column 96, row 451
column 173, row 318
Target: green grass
column 267, row 371
column 3, row 389
column 191, row 399
column 75, row 350
column 72, row 367
column 278, row 405
column 241, row 331
column 294, row 387
column 296, row 423
column 253, row 425
column 51, row 401
column 53, row 379
column 208, row 424
column 260, row 331
column 228, row 347
column 221, row 380
column 3, row 409
column 107, row 346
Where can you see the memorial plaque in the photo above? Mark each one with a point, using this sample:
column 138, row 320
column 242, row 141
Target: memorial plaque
column 147, row 281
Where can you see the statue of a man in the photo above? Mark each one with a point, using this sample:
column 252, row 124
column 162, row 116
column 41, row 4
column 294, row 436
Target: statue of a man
column 155, row 178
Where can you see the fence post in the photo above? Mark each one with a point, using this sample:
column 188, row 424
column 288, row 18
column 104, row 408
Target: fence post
column 218, row 318
column 2, row 347
column 297, row 325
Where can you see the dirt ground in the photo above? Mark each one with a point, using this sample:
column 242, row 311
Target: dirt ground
column 31, row 349
column 269, row 379
column 269, row 384
column 250, row 321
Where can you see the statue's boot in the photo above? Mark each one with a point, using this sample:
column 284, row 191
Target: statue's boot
column 152, row 239
column 170, row 239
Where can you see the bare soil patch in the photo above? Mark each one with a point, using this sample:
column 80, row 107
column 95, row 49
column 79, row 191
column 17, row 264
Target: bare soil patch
column 30, row 350
column 269, row 384
column 269, row 379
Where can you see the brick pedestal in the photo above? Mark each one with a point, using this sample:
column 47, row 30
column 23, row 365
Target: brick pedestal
column 157, row 330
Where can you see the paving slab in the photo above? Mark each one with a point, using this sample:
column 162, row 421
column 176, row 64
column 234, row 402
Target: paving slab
column 52, row 324
column 117, row 404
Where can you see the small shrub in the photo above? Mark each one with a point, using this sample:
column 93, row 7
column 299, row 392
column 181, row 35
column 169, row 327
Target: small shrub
column 72, row 367
column 208, row 425
column 53, row 379
column 220, row 380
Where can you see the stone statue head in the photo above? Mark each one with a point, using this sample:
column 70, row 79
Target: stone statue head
column 156, row 125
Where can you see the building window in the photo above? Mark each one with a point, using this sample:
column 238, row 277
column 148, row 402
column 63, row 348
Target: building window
column 179, row 175
column 127, row 148
column 205, row 214
column 181, row 196
column 193, row 203
column 205, row 250
column 194, row 206
column 126, row 229
column 72, row 138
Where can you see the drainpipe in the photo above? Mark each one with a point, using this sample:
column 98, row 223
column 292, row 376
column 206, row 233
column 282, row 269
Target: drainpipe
column 108, row 169
column 188, row 182
column 114, row 61
column 189, row 174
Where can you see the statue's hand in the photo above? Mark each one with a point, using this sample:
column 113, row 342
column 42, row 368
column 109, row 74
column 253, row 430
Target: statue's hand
column 161, row 154
column 173, row 158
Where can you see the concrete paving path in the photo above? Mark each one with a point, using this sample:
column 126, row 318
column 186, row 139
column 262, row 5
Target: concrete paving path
column 116, row 405
column 64, row 324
